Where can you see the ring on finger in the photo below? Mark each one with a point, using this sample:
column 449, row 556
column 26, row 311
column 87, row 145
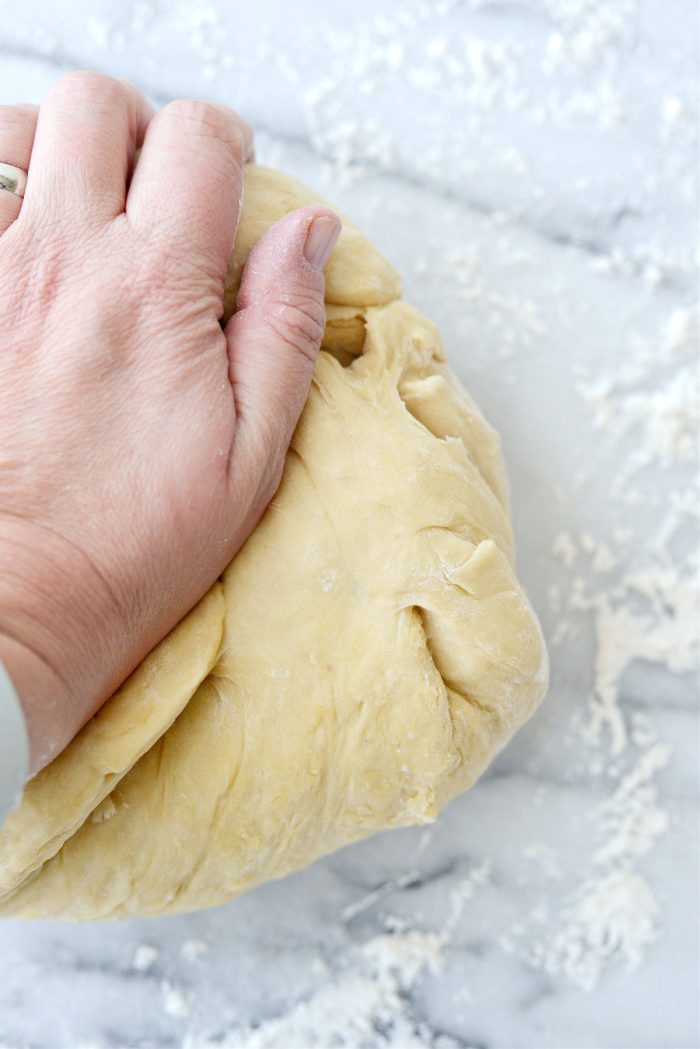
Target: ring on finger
column 13, row 179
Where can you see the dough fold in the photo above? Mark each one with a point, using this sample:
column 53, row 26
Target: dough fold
column 362, row 659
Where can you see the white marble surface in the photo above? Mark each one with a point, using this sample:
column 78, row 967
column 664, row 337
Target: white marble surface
column 529, row 166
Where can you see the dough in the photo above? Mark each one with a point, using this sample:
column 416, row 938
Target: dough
column 362, row 659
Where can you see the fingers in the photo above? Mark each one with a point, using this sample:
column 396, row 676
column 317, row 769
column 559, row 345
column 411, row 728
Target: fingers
column 188, row 182
column 17, row 128
column 88, row 127
column 275, row 335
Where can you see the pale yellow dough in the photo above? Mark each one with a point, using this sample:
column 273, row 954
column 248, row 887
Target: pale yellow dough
column 366, row 654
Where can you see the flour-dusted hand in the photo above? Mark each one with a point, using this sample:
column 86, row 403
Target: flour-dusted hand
column 139, row 441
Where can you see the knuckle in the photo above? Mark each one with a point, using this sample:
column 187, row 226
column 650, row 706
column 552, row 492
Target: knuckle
column 207, row 120
column 88, row 84
column 299, row 322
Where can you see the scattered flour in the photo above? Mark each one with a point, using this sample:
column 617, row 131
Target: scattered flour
column 176, row 1001
column 613, row 913
column 655, row 399
column 651, row 615
column 366, row 1002
column 193, row 950
column 650, row 611
column 145, row 957
column 643, row 601
column 365, row 1005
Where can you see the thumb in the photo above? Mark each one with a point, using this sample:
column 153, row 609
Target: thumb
column 275, row 334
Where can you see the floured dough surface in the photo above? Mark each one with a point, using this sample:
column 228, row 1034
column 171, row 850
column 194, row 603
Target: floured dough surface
column 364, row 656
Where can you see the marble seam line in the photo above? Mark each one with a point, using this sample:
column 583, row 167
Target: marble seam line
column 418, row 880
column 63, row 62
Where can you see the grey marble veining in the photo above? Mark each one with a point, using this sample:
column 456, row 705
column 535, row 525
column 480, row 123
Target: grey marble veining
column 530, row 169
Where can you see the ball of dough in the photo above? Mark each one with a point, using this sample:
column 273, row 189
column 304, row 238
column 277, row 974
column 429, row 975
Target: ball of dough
column 361, row 660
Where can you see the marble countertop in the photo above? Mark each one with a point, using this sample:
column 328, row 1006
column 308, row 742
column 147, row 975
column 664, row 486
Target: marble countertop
column 530, row 168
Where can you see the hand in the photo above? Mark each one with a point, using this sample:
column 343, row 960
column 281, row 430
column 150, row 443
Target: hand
column 139, row 442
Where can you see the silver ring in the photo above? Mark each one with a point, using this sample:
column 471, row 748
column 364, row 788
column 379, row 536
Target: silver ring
column 13, row 179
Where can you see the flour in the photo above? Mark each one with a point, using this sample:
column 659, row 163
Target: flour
column 145, row 957
column 176, row 1001
column 613, row 913
column 643, row 602
column 631, row 819
column 193, row 950
column 650, row 611
column 366, row 1001
column 651, row 615
column 655, row 399
column 365, row 1006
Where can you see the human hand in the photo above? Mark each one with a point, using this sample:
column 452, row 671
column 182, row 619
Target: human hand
column 139, row 441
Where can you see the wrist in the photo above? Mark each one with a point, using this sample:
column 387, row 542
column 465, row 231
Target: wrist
column 49, row 637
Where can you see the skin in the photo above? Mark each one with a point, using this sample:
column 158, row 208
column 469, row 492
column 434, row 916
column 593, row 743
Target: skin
column 140, row 441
